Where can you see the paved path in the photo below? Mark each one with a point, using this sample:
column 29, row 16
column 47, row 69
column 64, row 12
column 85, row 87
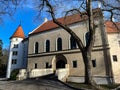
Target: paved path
column 33, row 84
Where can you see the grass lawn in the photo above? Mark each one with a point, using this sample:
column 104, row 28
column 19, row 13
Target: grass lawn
column 80, row 85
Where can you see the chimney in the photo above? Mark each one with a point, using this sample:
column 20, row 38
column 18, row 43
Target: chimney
column 113, row 19
column 99, row 4
column 45, row 19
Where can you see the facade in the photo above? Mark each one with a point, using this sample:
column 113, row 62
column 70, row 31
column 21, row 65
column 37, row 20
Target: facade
column 50, row 49
column 114, row 44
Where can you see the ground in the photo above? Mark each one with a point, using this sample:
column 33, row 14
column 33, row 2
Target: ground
column 39, row 84
column 33, row 84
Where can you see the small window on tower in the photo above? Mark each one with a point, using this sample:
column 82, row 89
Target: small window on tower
column 16, row 39
column 14, row 61
column 15, row 45
column 115, row 58
column 15, row 53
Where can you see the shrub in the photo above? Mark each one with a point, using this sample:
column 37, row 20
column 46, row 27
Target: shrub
column 14, row 74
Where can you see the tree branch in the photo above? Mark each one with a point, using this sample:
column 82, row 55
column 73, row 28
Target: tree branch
column 51, row 10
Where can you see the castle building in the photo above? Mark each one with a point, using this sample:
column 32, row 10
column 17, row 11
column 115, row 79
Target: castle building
column 114, row 43
column 50, row 49
column 18, row 51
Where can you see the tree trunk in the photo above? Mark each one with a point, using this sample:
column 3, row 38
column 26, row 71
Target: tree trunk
column 87, row 63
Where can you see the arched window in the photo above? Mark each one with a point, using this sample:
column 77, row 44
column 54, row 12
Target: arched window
column 47, row 45
column 87, row 35
column 36, row 47
column 73, row 43
column 59, row 44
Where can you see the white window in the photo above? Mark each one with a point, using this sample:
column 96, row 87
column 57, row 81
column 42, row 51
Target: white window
column 15, row 45
column 15, row 53
column 14, row 61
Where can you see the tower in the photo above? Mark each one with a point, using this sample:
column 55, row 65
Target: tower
column 15, row 60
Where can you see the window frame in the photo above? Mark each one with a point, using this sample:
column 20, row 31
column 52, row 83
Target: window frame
column 47, row 65
column 35, row 65
column 74, row 64
column 86, row 39
column 15, row 46
column 47, row 46
column 36, row 48
column 73, row 43
column 114, row 57
column 94, row 64
column 14, row 61
column 15, row 53
column 59, row 44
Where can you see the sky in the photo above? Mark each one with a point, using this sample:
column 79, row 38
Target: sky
column 25, row 15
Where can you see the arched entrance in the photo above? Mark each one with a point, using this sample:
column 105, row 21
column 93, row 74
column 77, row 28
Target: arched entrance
column 60, row 61
column 60, row 67
column 60, row 64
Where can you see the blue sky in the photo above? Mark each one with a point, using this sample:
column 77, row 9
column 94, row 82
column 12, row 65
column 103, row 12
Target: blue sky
column 26, row 16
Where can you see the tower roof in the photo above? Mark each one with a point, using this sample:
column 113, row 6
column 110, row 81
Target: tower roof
column 18, row 33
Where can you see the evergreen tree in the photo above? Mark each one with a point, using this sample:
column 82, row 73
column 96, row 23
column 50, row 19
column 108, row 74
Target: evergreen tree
column 1, row 44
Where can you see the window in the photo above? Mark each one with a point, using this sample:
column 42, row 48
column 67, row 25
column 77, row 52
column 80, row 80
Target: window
column 114, row 57
column 73, row 43
column 35, row 65
column 16, row 39
column 14, row 61
column 119, row 43
column 74, row 64
column 94, row 63
column 15, row 45
column 87, row 35
column 36, row 47
column 15, row 53
column 59, row 44
column 47, row 45
column 47, row 65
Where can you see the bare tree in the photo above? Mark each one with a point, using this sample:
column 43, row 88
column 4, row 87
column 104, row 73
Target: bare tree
column 8, row 7
column 113, row 8
column 86, row 50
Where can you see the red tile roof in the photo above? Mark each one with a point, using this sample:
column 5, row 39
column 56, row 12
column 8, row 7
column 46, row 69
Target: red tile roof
column 18, row 33
column 111, row 27
column 69, row 20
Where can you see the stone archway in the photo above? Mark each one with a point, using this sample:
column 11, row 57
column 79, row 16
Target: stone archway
column 60, row 64
column 61, row 61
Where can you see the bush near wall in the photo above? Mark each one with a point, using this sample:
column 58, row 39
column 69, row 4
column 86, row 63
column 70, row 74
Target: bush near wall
column 14, row 74
column 2, row 70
